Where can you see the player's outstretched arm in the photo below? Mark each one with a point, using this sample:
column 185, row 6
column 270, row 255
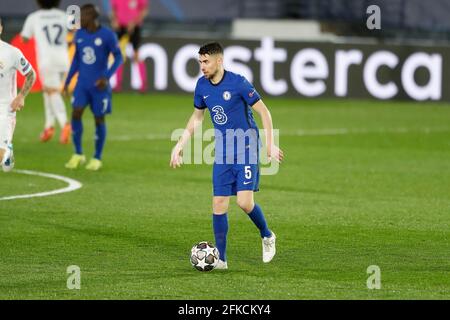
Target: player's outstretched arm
column 19, row 101
column 195, row 120
column 272, row 150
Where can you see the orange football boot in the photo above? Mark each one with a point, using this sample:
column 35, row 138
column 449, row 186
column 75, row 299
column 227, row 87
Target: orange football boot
column 65, row 134
column 47, row 134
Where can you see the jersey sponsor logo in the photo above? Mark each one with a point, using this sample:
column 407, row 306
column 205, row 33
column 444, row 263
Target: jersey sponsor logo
column 98, row 42
column 23, row 61
column 247, row 182
column 204, row 97
column 89, row 55
column 251, row 93
column 226, row 95
column 219, row 115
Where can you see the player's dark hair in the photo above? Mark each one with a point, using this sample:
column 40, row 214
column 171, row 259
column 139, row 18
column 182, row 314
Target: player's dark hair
column 92, row 7
column 48, row 4
column 211, row 48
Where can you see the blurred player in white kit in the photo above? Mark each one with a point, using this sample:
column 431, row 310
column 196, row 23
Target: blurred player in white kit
column 11, row 61
column 48, row 26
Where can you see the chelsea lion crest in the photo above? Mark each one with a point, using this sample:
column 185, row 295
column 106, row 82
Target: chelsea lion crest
column 226, row 95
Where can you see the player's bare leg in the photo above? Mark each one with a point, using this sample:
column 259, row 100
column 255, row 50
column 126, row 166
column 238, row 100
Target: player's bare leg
column 220, row 226
column 221, row 204
column 245, row 201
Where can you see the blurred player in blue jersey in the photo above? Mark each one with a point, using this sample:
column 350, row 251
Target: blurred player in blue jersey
column 230, row 99
column 94, row 44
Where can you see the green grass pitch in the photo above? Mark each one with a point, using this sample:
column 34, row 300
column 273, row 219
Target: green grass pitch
column 363, row 183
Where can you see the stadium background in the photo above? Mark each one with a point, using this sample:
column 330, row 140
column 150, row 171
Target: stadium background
column 365, row 179
column 285, row 28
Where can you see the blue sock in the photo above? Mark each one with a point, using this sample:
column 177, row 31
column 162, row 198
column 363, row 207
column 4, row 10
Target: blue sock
column 258, row 219
column 77, row 133
column 100, row 137
column 220, row 226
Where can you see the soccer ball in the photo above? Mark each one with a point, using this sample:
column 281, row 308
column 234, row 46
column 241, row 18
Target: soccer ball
column 204, row 256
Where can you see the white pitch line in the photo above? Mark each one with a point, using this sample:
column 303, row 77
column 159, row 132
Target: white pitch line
column 72, row 185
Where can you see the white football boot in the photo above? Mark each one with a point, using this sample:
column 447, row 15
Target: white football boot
column 8, row 163
column 269, row 249
column 222, row 265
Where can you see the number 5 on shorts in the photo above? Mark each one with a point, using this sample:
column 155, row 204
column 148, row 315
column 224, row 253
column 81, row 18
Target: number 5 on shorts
column 248, row 172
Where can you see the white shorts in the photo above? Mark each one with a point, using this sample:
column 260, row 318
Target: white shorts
column 7, row 126
column 51, row 78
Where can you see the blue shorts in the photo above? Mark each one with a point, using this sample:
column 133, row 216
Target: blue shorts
column 98, row 100
column 228, row 179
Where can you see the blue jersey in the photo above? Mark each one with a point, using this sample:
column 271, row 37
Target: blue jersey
column 91, row 62
column 229, row 103
column 92, row 55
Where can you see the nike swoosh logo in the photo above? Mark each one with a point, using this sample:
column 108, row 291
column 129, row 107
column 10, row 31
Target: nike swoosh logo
column 204, row 97
column 247, row 182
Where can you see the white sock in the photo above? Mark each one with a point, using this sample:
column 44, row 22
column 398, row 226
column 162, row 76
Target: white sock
column 9, row 136
column 59, row 108
column 49, row 116
column 11, row 133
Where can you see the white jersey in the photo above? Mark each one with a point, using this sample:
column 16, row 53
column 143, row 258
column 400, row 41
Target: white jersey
column 11, row 61
column 49, row 28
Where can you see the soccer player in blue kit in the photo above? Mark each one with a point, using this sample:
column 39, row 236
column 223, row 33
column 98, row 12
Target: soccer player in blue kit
column 230, row 98
column 94, row 43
